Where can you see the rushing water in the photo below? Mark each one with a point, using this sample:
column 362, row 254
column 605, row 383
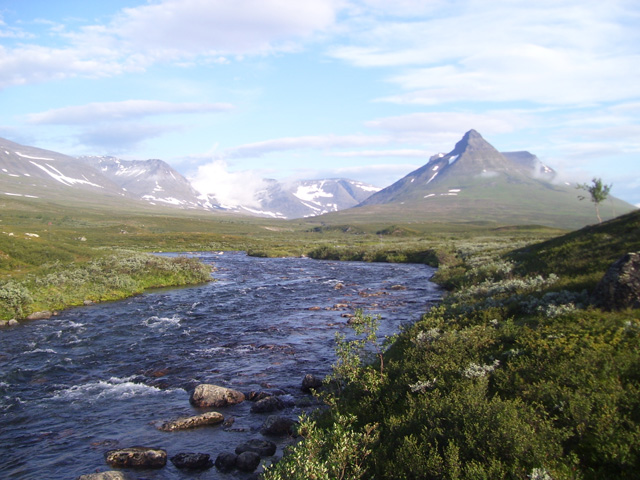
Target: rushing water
column 105, row 376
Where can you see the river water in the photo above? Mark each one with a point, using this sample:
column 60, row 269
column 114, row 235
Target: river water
column 106, row 376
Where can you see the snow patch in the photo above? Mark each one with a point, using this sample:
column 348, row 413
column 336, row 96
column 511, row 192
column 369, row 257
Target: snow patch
column 435, row 168
column 454, row 190
column 433, row 176
column 430, row 195
column 34, row 158
column 311, row 193
column 453, row 159
column 62, row 178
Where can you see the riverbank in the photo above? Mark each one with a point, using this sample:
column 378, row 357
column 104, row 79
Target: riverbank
column 111, row 275
column 517, row 375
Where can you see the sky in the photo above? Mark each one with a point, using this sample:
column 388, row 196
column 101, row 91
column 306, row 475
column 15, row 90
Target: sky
column 230, row 92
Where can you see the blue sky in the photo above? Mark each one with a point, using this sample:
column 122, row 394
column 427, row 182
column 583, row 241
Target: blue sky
column 231, row 92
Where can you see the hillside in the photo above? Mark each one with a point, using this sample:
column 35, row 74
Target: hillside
column 514, row 376
column 476, row 183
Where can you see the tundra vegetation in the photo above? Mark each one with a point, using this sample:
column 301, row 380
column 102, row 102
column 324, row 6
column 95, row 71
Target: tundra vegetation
column 513, row 376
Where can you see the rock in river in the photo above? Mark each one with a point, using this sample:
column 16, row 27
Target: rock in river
column 207, row 395
column 137, row 457
column 209, row 418
column 110, row 475
column 192, row 461
column 277, row 425
column 248, row 461
column 264, row 448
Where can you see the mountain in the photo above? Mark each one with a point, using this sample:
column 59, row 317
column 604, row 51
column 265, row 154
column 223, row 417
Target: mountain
column 37, row 173
column 475, row 182
column 154, row 181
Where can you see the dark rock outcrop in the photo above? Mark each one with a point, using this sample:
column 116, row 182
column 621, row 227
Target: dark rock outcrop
column 209, row 418
column 192, row 461
column 278, row 425
column 137, row 457
column 226, row 461
column 248, row 461
column 264, row 448
column 267, row 405
column 207, row 395
column 619, row 289
column 310, row 382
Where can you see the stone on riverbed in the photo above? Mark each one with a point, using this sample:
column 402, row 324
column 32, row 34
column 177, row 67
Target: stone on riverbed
column 40, row 315
column 207, row 395
column 311, row 382
column 264, row 448
column 226, row 461
column 192, row 461
column 110, row 475
column 248, row 461
column 278, row 425
column 209, row 418
column 137, row 457
column 267, row 404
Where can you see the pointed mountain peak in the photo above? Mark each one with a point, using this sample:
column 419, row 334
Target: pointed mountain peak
column 472, row 139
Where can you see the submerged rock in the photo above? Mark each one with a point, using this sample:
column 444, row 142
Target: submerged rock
column 278, row 425
column 110, row 475
column 207, row 395
column 267, row 404
column 226, row 461
column 310, row 382
column 137, row 457
column 206, row 419
column 620, row 287
column 264, row 448
column 248, row 461
column 192, row 461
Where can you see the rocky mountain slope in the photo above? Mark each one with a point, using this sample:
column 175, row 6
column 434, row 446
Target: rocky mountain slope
column 475, row 182
column 37, row 173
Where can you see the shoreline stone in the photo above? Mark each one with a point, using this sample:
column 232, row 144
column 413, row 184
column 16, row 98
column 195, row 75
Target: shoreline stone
column 137, row 457
column 185, row 423
column 207, row 395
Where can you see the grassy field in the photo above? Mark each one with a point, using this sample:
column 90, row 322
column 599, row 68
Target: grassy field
column 38, row 239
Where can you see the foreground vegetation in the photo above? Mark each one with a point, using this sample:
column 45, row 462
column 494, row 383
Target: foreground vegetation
column 514, row 376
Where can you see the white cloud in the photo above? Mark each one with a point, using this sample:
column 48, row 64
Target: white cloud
column 383, row 153
column 121, row 137
column 169, row 31
column 259, row 149
column 229, row 188
column 109, row 111
column 555, row 52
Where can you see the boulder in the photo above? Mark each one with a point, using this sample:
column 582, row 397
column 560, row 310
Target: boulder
column 278, row 425
column 267, row 405
column 13, row 322
column 264, row 448
column 619, row 289
column 310, row 382
column 209, row 418
column 110, row 475
column 248, row 461
column 226, row 461
column 207, row 395
column 136, row 457
column 192, row 461
column 40, row 315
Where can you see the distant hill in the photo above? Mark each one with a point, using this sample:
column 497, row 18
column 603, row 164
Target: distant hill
column 475, row 182
column 101, row 180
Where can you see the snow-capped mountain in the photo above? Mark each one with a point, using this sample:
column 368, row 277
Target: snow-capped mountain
column 475, row 182
column 154, row 181
column 37, row 173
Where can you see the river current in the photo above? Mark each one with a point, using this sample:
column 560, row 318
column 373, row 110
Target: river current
column 106, row 376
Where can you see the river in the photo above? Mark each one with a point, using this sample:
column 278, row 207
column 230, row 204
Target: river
column 105, row 376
